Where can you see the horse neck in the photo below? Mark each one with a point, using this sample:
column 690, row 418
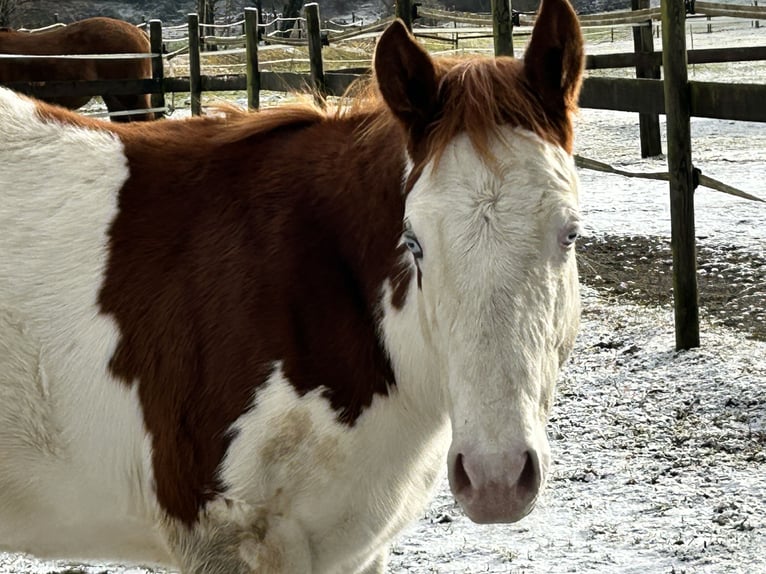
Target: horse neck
column 364, row 202
column 382, row 167
column 356, row 199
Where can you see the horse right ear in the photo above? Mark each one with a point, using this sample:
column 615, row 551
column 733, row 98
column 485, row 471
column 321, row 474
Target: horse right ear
column 406, row 77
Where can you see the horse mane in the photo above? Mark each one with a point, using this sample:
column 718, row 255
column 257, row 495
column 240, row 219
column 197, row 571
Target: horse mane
column 477, row 96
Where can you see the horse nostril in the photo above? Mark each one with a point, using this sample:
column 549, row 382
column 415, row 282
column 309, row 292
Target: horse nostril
column 529, row 479
column 460, row 477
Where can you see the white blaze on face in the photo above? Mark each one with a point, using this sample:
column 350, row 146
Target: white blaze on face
column 499, row 302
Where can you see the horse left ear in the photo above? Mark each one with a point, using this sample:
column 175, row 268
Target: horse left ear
column 554, row 59
column 406, row 77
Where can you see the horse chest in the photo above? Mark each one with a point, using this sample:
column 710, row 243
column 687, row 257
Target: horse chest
column 350, row 489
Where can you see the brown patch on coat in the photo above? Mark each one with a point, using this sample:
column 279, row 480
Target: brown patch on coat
column 239, row 242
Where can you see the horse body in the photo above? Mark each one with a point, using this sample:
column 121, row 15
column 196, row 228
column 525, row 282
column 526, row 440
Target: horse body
column 90, row 36
column 247, row 343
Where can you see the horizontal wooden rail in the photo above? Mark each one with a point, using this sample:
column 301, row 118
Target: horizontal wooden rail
column 623, row 16
column 731, row 10
column 351, row 34
column 742, row 102
column 709, row 99
column 337, row 82
column 624, row 95
column 703, row 56
column 225, row 40
column 70, row 88
column 620, row 19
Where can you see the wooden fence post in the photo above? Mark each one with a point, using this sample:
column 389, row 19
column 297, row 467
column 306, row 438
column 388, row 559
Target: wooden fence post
column 678, row 114
column 315, row 49
column 251, row 46
column 404, row 12
column 649, row 124
column 195, row 68
column 502, row 27
column 158, row 65
column 259, row 7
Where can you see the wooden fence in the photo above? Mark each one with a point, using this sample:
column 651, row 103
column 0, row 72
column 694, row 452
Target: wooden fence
column 676, row 97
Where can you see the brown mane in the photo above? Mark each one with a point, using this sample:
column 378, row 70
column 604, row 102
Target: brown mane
column 477, row 96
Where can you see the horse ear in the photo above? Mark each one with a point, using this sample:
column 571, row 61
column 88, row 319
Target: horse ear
column 406, row 77
column 554, row 59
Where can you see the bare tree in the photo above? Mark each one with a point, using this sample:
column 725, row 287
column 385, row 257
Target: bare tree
column 206, row 10
column 291, row 10
column 7, row 10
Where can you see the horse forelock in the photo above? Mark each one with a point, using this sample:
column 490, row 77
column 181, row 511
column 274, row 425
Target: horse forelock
column 480, row 95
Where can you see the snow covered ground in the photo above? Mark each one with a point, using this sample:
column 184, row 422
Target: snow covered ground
column 659, row 457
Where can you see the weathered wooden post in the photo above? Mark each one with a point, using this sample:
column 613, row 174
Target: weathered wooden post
column 259, row 7
column 158, row 66
column 251, row 47
column 678, row 113
column 502, row 27
column 315, row 50
column 649, row 124
column 404, row 12
column 195, row 73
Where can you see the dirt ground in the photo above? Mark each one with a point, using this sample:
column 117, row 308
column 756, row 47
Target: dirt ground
column 731, row 281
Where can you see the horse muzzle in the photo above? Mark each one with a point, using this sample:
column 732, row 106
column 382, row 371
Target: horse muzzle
column 495, row 487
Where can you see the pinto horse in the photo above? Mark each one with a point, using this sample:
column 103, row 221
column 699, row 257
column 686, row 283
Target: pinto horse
column 89, row 36
column 249, row 342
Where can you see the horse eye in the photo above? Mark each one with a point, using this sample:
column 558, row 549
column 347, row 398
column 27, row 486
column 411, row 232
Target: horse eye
column 569, row 235
column 411, row 242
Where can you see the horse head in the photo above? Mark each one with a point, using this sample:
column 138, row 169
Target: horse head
column 490, row 223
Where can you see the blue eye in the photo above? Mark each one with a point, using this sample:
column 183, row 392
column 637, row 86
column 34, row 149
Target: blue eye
column 570, row 234
column 411, row 242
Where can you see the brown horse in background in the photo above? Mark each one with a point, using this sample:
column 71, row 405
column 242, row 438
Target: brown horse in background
column 89, row 36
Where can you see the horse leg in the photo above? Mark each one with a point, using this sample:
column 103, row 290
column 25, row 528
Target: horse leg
column 283, row 550
column 129, row 102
